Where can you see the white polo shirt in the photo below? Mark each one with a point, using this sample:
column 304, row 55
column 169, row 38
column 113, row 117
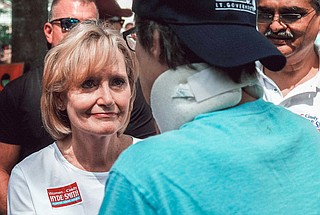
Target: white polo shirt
column 303, row 100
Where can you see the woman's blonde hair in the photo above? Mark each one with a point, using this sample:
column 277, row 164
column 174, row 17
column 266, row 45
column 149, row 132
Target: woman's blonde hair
column 85, row 51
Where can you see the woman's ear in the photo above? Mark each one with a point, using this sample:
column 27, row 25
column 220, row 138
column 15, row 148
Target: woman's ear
column 61, row 103
column 47, row 29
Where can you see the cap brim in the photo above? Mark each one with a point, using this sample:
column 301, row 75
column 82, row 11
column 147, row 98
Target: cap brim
column 230, row 45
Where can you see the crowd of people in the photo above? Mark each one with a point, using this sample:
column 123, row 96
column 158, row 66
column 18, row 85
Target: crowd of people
column 199, row 107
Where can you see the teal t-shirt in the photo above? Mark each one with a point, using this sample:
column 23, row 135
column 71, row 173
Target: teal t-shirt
column 256, row 158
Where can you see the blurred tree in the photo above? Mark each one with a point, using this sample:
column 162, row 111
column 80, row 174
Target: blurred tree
column 28, row 41
column 8, row 2
column 5, row 33
column 5, row 36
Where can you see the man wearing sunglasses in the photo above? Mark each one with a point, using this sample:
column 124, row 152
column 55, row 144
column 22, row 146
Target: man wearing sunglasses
column 292, row 26
column 64, row 15
column 21, row 129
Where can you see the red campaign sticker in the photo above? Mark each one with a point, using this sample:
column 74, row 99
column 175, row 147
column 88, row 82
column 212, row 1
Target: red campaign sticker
column 64, row 196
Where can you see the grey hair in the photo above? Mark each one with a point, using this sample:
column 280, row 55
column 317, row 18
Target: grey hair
column 173, row 51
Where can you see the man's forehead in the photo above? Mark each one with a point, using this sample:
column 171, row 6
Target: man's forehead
column 286, row 3
column 75, row 9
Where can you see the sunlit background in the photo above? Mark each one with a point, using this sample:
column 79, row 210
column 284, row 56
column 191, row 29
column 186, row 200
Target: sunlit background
column 126, row 4
column 6, row 26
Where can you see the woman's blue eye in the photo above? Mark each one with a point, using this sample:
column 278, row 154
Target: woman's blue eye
column 118, row 82
column 88, row 84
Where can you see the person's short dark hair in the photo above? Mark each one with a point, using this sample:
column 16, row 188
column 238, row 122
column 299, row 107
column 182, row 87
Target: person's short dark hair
column 173, row 51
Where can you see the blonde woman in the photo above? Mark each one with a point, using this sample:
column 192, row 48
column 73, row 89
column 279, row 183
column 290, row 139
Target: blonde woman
column 87, row 96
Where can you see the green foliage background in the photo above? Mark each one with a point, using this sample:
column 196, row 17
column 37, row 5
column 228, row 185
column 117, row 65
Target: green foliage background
column 5, row 35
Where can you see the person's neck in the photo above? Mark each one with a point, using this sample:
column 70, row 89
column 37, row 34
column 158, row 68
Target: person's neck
column 94, row 154
column 296, row 72
column 246, row 97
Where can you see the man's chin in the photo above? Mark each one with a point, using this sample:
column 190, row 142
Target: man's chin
column 285, row 50
column 282, row 46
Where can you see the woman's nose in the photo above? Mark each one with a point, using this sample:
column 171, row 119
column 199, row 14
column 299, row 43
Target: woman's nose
column 105, row 96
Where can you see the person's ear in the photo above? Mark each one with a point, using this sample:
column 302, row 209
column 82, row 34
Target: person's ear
column 48, row 31
column 61, row 102
column 155, row 49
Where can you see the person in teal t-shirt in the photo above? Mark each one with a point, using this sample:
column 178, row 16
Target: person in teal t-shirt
column 222, row 149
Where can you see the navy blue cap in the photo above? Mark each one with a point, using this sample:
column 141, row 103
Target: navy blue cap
column 221, row 32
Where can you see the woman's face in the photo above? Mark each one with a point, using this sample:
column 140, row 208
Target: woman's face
column 100, row 104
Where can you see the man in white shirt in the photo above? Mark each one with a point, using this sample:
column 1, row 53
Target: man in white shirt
column 292, row 26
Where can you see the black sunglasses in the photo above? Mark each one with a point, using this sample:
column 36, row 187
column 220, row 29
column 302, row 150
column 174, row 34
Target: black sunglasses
column 286, row 18
column 66, row 23
column 130, row 36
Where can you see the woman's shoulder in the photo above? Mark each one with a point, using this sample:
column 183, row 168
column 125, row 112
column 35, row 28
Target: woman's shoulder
column 38, row 158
